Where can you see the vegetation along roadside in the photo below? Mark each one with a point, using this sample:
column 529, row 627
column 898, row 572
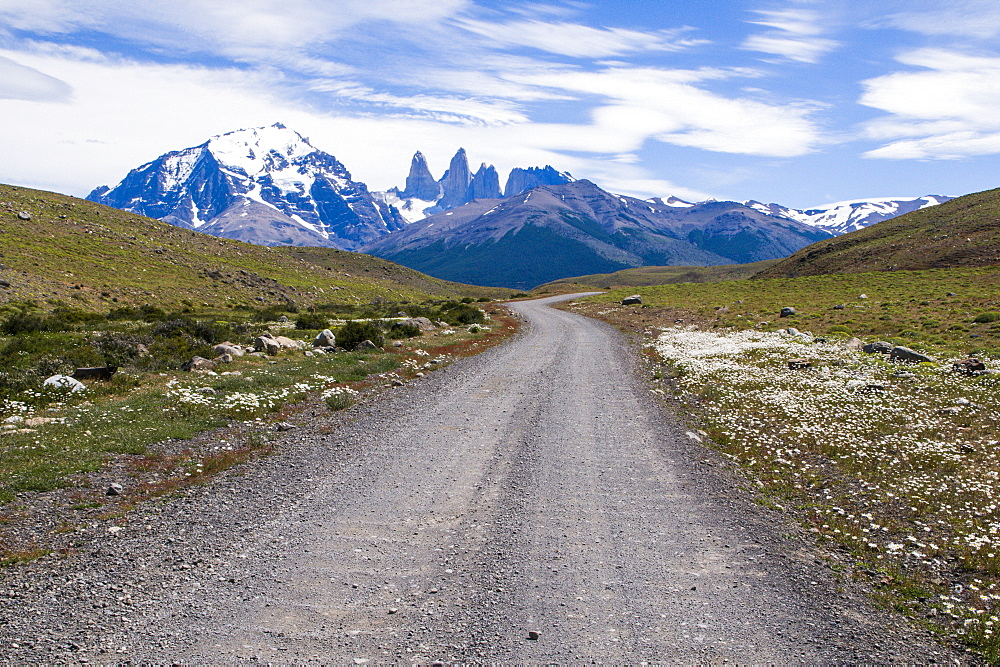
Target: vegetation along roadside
column 892, row 464
column 73, row 461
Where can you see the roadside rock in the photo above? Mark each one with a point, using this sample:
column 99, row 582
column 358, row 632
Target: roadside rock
column 970, row 366
column 421, row 323
column 228, row 348
column 325, row 338
column 905, row 354
column 64, row 382
column 198, row 364
column 633, row 300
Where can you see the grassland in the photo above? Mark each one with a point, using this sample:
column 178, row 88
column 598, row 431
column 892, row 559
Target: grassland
column 892, row 467
column 74, row 252
column 647, row 276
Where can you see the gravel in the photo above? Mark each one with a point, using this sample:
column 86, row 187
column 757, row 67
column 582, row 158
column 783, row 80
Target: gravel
column 534, row 503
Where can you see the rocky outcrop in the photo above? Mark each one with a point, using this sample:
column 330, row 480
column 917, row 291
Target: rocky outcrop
column 420, row 184
column 522, row 180
column 455, row 182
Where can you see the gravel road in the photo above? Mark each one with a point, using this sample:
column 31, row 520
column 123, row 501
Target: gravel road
column 535, row 503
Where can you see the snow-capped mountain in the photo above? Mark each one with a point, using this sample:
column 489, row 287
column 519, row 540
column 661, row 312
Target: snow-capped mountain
column 850, row 216
column 265, row 185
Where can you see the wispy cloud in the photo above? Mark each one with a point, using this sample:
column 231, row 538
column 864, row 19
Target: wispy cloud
column 796, row 34
column 977, row 19
column 578, row 41
column 945, row 110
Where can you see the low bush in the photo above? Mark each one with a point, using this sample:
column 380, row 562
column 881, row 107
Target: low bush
column 311, row 321
column 354, row 333
column 987, row 318
column 403, row 330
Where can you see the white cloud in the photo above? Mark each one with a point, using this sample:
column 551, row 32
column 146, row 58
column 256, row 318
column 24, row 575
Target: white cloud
column 945, row 110
column 578, row 41
column 978, row 19
column 668, row 106
column 18, row 82
column 796, row 35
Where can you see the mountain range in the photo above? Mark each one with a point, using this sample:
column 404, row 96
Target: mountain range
column 271, row 186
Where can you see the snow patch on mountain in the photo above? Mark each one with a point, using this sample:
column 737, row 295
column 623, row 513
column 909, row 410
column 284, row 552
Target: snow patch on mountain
column 849, row 216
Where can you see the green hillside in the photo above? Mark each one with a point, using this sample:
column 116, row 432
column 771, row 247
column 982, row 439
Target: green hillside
column 963, row 232
column 647, row 276
column 77, row 253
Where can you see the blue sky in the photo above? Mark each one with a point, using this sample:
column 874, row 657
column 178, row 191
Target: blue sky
column 798, row 102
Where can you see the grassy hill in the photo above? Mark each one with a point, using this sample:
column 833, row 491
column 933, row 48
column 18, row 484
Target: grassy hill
column 647, row 276
column 77, row 253
column 963, row 232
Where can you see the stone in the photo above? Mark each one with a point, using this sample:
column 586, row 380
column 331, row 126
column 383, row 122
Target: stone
column 951, row 294
column 852, row 344
column 798, row 364
column 114, row 490
column 839, row 306
column 284, row 319
column 23, row 215
column 266, row 344
column 533, row 635
column 862, row 296
column 881, row 347
column 970, row 366
column 309, row 353
column 285, row 426
column 906, row 355
column 634, row 300
column 421, row 323
column 208, row 391
column 397, row 383
column 367, row 345
column 224, row 359
column 64, row 382
column 4, row 284
column 198, row 364
column 228, row 348
column 290, row 343
column 872, row 389
column 722, row 310
column 325, row 338
column 787, row 311
column 397, row 343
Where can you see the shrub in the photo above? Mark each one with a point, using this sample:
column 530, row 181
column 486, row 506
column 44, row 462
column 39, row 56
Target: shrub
column 987, row 318
column 311, row 321
column 460, row 313
column 840, row 328
column 354, row 333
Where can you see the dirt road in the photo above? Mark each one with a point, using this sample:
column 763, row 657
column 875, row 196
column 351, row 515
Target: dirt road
column 533, row 504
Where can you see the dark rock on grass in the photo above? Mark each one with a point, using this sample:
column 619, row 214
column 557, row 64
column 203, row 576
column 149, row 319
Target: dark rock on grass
column 880, row 347
column 633, row 300
column 198, row 364
column 799, row 364
column 787, row 311
column 114, row 490
column 970, row 366
column 906, row 355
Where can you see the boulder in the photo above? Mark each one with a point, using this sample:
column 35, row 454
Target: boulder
column 852, row 344
column 634, row 300
column 325, row 338
column 880, row 347
column 905, row 354
column 23, row 215
column 228, row 348
column 787, row 311
column 266, row 344
column 367, row 345
column 970, row 366
column 722, row 310
column 290, row 343
column 839, row 306
column 421, row 323
column 198, row 364
column 4, row 284
column 224, row 359
column 64, row 382
column 798, row 364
